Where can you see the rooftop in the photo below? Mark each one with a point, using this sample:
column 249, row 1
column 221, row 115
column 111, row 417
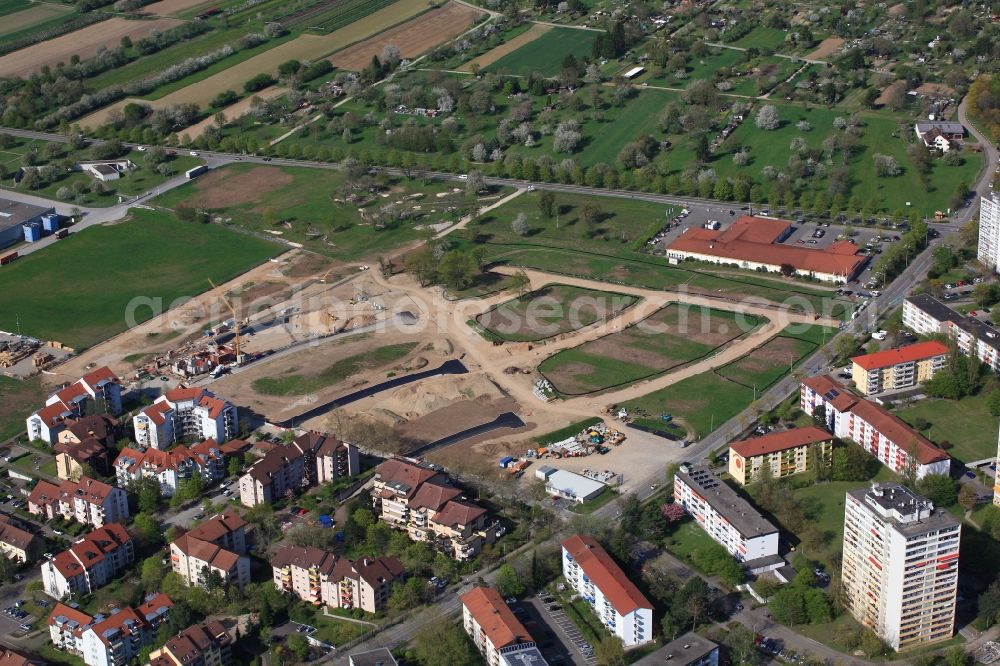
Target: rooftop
column 495, row 618
column 934, row 307
column 726, row 502
column 379, row 657
column 605, row 574
column 573, row 484
column 907, row 354
column 780, row 440
column 687, row 649
column 907, row 512
column 15, row 213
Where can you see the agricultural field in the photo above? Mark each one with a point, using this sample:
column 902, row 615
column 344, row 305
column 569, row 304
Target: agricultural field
column 173, row 7
column 546, row 53
column 669, row 338
column 59, row 295
column 317, row 208
column 413, row 37
column 516, row 41
column 550, row 311
column 22, row 17
column 768, row 363
column 83, row 42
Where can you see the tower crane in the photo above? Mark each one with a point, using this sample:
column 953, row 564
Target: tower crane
column 237, row 324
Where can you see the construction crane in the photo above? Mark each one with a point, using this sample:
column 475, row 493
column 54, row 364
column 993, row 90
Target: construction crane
column 237, row 324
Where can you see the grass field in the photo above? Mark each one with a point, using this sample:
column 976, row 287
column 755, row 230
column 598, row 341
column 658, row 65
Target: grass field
column 545, row 54
column 550, row 311
column 701, row 68
column 11, row 6
column 292, row 382
column 18, row 399
column 299, row 205
column 768, row 363
column 25, row 18
column 762, row 37
column 669, row 338
column 60, row 294
column 966, row 424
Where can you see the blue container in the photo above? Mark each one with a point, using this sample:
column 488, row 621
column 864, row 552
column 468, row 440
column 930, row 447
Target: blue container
column 50, row 223
column 32, row 232
column 506, row 460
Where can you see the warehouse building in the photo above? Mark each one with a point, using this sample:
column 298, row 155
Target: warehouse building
column 14, row 216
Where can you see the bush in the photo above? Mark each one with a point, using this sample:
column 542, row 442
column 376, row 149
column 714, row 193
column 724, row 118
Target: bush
column 258, row 83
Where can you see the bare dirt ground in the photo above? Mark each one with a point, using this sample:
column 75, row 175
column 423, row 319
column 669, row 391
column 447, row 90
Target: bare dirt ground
column 826, row 48
column 941, row 89
column 414, row 37
column 887, row 93
column 233, row 111
column 171, row 7
column 28, row 17
column 491, row 56
column 83, row 42
column 223, row 188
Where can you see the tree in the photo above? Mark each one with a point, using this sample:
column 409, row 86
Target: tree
column 547, row 203
column 509, row 582
column 768, row 118
column 520, row 283
column 148, row 529
column 422, row 264
column 591, row 214
column 458, row 269
column 610, row 651
column 520, row 225
column 299, row 646
column 475, row 183
column 235, row 466
column 443, row 643
column 152, row 573
column 845, row 345
column 938, row 488
column 968, row 497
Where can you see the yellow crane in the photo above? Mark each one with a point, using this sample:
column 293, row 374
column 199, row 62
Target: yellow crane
column 237, row 325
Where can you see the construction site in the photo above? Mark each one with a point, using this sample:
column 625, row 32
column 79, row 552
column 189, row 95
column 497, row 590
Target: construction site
column 21, row 356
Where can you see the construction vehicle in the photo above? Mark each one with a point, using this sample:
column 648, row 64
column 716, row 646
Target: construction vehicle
column 237, row 325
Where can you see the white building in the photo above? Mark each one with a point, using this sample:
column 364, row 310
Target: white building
column 318, row 577
column 87, row 501
column 724, row 515
column 215, row 549
column 495, row 631
column 101, row 386
column 171, row 467
column 185, row 413
column 108, row 640
column 900, row 571
column 572, row 486
column 616, row 601
column 989, row 231
column 925, row 315
column 894, row 443
column 88, row 564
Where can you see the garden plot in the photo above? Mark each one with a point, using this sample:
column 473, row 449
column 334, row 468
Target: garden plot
column 671, row 337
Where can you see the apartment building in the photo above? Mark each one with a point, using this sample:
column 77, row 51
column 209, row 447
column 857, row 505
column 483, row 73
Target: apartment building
column 925, row 315
column 900, row 565
column 496, row 632
column 207, row 644
column 170, row 468
column 86, row 442
column 87, row 501
column 895, row 444
column 310, row 458
column 416, row 496
column 112, row 640
column 185, row 414
column 320, row 578
column 784, row 452
column 989, row 231
column 616, row 601
column 16, row 543
column 691, row 649
column 724, row 515
column 899, row 368
column 90, row 563
column 96, row 392
column 335, row 459
column 213, row 553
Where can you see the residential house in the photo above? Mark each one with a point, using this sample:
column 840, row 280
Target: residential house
column 87, row 501
column 366, row 583
column 120, row 637
column 925, row 315
column 98, row 391
column 170, row 468
column 494, row 629
column 106, row 171
column 783, row 452
column 10, row 658
column 66, row 627
column 16, row 543
column 185, row 414
column 898, row 368
column 615, row 599
column 86, row 442
column 215, row 549
column 320, row 578
column 894, row 443
column 310, row 458
column 416, row 497
column 939, row 135
column 90, row 563
column 207, row 644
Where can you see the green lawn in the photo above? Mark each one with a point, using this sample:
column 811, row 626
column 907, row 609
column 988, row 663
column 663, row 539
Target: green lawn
column 590, row 506
column 11, row 6
column 761, row 38
column 669, row 338
column 546, row 54
column 292, row 382
column 62, row 294
column 700, row 68
column 18, row 398
column 703, row 402
column 768, row 363
column 686, row 539
column 552, row 310
column 966, row 424
column 310, row 206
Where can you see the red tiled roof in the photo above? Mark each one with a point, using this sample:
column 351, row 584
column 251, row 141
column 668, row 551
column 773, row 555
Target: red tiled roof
column 433, row 496
column 780, row 441
column 11, row 658
column 88, row 489
column 190, row 644
column 754, row 239
column 304, row 558
column 406, row 473
column 234, row 446
column 832, row 391
column 206, row 551
column 91, row 549
column 70, row 614
column 154, row 604
column 155, row 459
column 218, row 526
column 455, row 514
column 907, row 354
column 71, row 392
column 95, row 377
column 52, row 414
column 14, row 535
column 214, row 405
column 605, row 574
column 495, row 618
column 182, row 394
column 44, row 493
column 157, row 411
column 373, row 570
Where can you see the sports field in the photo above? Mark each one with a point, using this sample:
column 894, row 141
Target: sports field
column 546, row 53
column 83, row 42
column 60, row 294
column 552, row 310
column 671, row 337
column 29, row 16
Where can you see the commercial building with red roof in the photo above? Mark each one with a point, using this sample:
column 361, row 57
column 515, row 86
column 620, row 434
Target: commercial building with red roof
column 185, row 413
column 101, row 386
column 494, row 628
column 90, row 563
column 755, row 243
column 896, row 445
column 898, row 368
column 87, row 501
column 618, row 603
column 785, row 452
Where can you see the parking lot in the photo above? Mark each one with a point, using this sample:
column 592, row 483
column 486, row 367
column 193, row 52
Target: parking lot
column 568, row 644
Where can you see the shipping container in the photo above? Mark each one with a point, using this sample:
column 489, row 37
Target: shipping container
column 7, row 258
column 195, row 172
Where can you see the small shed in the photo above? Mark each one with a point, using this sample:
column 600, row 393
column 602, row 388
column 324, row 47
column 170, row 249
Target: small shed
column 506, row 460
column 634, row 72
column 544, row 472
column 32, row 232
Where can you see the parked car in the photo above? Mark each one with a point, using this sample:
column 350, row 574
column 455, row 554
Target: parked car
column 880, row 335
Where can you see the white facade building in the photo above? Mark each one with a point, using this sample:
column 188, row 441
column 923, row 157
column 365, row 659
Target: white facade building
column 925, row 315
column 617, row 602
column 101, row 386
column 989, row 231
column 87, row 501
column 185, row 413
column 88, row 564
column 724, row 515
column 900, row 571
column 496, row 632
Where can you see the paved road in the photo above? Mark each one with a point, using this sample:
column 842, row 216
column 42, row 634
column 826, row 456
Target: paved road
column 982, row 186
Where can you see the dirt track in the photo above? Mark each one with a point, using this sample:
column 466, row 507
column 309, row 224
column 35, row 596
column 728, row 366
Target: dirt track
column 83, row 42
column 414, row 37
